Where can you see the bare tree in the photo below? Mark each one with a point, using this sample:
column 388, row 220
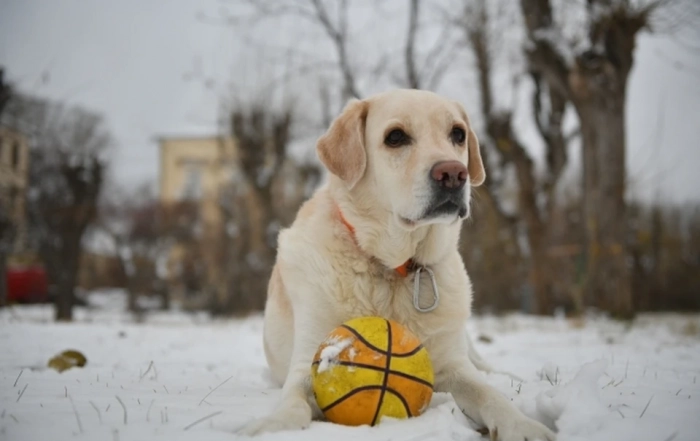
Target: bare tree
column 330, row 17
column 426, row 70
column 591, row 72
column 265, row 189
column 556, row 66
column 338, row 33
column 502, row 140
column 420, row 70
column 130, row 218
column 68, row 147
column 250, row 205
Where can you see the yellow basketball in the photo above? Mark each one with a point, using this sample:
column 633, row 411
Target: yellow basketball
column 369, row 368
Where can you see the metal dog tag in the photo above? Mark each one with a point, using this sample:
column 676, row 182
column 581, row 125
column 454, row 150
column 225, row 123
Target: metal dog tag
column 416, row 290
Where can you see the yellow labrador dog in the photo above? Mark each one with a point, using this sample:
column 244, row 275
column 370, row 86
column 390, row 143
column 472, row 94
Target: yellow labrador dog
column 402, row 164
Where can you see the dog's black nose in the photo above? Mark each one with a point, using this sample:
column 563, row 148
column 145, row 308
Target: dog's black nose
column 449, row 175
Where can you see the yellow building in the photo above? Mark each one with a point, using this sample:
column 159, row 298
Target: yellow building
column 192, row 168
column 14, row 177
column 209, row 208
column 193, row 172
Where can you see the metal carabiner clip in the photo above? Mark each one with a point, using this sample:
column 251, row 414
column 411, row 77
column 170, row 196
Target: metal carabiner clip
column 416, row 290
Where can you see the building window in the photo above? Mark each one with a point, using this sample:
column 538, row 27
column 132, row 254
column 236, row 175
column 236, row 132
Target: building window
column 15, row 155
column 192, row 187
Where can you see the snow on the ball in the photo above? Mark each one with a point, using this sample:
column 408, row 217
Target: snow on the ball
column 329, row 354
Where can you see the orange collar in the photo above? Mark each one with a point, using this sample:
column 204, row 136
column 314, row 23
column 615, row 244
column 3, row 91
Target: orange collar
column 403, row 270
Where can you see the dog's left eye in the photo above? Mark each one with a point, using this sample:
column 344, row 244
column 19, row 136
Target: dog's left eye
column 458, row 136
column 396, row 138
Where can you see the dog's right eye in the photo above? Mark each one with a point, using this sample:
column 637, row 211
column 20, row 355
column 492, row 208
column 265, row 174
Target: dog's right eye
column 396, row 138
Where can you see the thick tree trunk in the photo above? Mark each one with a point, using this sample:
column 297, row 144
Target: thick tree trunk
column 7, row 230
column 64, row 303
column 541, row 277
column 65, row 281
column 608, row 283
column 596, row 85
column 499, row 127
column 64, row 297
column 3, row 279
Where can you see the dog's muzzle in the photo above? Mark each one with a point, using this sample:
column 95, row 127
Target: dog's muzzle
column 448, row 180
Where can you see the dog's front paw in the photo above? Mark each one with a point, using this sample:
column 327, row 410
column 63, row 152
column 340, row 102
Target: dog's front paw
column 294, row 417
column 521, row 429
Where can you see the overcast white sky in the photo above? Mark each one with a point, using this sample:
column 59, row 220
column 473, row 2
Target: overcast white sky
column 128, row 59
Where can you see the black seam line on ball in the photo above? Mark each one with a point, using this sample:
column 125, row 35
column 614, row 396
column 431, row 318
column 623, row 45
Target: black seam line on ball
column 386, row 372
column 380, row 369
column 348, row 395
column 409, row 353
column 362, row 339
column 403, row 400
column 411, row 377
column 381, row 351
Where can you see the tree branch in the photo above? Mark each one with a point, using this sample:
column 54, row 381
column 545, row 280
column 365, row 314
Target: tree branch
column 549, row 125
column 339, row 38
column 499, row 124
column 542, row 54
column 411, row 71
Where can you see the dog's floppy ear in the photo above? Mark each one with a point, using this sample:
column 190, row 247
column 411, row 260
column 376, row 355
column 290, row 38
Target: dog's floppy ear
column 475, row 167
column 342, row 148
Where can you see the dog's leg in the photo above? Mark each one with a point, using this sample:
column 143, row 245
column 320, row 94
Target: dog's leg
column 316, row 412
column 482, row 403
column 296, row 408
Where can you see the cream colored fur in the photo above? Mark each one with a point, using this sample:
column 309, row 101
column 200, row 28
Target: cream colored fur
column 323, row 278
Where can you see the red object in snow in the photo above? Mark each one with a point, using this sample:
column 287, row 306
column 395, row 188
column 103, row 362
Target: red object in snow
column 27, row 284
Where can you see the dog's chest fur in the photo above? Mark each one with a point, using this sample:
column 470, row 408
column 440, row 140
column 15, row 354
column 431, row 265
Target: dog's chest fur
column 365, row 288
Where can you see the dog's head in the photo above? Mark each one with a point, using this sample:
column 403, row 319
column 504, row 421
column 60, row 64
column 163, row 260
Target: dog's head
column 413, row 151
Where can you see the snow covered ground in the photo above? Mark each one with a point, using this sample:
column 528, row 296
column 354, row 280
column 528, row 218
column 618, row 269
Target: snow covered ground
column 154, row 381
